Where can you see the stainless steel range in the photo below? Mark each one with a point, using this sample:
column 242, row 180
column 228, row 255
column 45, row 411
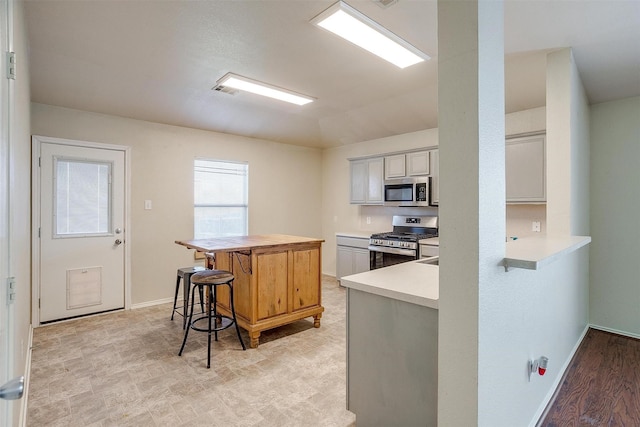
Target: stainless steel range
column 401, row 244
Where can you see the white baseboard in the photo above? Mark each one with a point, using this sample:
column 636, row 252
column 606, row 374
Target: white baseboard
column 615, row 331
column 27, row 378
column 556, row 382
column 152, row 303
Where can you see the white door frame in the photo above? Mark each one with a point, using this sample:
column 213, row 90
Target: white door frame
column 36, row 141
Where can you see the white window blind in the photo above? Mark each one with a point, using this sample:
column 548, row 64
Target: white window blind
column 220, row 198
column 82, row 198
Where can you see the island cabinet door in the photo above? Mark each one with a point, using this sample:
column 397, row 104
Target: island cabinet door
column 271, row 281
column 306, row 278
column 223, row 262
column 241, row 268
column 240, row 265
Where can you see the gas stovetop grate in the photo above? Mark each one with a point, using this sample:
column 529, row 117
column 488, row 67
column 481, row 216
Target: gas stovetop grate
column 403, row 236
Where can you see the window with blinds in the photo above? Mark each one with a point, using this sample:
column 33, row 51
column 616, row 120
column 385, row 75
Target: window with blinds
column 220, row 198
column 82, row 198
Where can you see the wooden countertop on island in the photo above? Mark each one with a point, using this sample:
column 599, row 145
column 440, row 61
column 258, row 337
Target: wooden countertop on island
column 245, row 243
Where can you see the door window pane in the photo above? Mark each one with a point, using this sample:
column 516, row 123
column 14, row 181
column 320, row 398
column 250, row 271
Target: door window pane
column 220, row 198
column 82, row 198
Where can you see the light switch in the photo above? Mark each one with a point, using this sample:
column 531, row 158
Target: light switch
column 147, row 205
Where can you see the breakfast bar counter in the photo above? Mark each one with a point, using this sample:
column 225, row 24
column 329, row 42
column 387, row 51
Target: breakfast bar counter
column 277, row 278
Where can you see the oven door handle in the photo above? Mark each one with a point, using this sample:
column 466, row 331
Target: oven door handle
column 395, row 251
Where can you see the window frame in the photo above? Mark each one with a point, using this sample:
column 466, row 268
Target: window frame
column 245, row 206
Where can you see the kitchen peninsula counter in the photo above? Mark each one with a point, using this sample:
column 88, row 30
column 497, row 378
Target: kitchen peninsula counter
column 277, row 278
column 419, row 283
column 392, row 322
column 413, row 282
column 396, row 308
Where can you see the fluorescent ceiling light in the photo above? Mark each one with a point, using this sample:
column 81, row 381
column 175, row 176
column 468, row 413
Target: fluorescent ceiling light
column 243, row 83
column 348, row 23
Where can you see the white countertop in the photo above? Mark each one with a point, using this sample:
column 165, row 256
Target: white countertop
column 411, row 281
column 419, row 283
column 356, row 234
column 535, row 252
column 431, row 241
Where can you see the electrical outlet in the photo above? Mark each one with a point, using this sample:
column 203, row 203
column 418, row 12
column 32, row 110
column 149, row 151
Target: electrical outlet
column 368, row 220
column 11, row 290
column 535, row 226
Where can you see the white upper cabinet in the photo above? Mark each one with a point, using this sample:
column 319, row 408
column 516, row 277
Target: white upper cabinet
column 395, row 166
column 435, row 178
column 406, row 165
column 375, row 190
column 525, row 169
column 367, row 183
column 359, row 181
column 418, row 163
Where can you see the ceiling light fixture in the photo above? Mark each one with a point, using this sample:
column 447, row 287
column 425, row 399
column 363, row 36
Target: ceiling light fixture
column 235, row 81
column 346, row 22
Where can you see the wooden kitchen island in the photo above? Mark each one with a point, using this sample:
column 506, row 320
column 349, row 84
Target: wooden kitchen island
column 277, row 278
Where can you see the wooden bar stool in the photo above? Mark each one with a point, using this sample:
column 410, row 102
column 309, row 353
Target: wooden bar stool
column 211, row 279
column 185, row 274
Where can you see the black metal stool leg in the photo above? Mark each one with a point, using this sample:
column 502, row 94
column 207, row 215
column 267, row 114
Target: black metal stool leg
column 200, row 291
column 186, row 292
column 186, row 331
column 175, row 298
column 209, row 332
column 233, row 313
column 214, row 304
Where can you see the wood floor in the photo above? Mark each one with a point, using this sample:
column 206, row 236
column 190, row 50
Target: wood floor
column 601, row 386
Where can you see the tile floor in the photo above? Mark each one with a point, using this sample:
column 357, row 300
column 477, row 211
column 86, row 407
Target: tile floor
column 123, row 369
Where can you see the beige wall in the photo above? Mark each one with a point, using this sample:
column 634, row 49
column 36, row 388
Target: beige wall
column 615, row 203
column 338, row 215
column 567, row 147
column 284, row 186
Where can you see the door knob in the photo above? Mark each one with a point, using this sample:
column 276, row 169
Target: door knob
column 118, row 242
column 13, row 389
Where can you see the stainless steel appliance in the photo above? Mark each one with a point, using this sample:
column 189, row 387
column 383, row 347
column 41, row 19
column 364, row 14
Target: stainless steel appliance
column 401, row 244
column 407, row 192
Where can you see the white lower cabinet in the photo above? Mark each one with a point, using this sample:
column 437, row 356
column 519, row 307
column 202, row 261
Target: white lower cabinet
column 352, row 256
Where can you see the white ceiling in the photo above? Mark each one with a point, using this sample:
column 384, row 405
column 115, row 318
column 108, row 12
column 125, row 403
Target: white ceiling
column 158, row 60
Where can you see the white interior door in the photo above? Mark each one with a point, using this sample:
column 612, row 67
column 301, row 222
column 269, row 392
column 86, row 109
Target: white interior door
column 82, row 235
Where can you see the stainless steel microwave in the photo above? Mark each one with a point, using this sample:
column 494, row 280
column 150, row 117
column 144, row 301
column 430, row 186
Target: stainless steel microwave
column 407, row 192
